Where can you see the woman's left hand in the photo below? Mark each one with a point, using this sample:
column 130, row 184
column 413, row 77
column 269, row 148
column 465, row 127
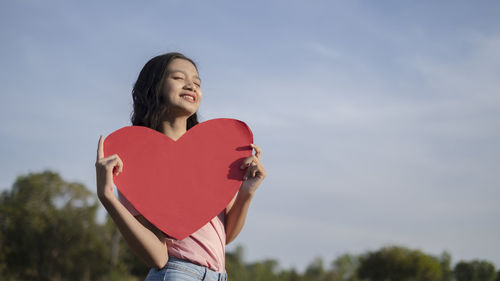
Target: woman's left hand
column 255, row 173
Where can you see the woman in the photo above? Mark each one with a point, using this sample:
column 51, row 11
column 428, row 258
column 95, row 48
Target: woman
column 166, row 96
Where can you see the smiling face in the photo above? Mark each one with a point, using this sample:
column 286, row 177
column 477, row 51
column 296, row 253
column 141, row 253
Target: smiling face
column 182, row 88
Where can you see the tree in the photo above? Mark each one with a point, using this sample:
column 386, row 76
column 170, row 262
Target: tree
column 124, row 264
column 446, row 272
column 399, row 264
column 235, row 266
column 290, row 275
column 475, row 270
column 237, row 269
column 346, row 267
column 498, row 276
column 49, row 231
column 315, row 271
column 264, row 271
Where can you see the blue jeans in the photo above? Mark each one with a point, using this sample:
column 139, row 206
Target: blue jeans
column 181, row 270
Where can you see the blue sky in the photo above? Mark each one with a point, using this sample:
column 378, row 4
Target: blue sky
column 377, row 119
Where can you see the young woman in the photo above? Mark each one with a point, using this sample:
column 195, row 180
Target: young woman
column 166, row 96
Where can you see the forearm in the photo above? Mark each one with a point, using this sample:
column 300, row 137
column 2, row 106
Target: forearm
column 235, row 218
column 143, row 242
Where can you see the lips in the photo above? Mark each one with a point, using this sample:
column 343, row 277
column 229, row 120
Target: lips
column 190, row 95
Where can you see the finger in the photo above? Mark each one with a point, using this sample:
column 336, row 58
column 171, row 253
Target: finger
column 114, row 166
column 254, row 169
column 100, row 148
column 106, row 160
column 258, row 151
column 260, row 171
column 247, row 174
column 110, row 164
column 120, row 164
column 246, row 162
column 116, row 162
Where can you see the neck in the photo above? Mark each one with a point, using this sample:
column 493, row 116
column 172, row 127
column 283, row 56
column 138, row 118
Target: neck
column 175, row 128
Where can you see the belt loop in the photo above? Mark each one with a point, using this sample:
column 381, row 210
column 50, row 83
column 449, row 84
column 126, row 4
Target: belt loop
column 205, row 273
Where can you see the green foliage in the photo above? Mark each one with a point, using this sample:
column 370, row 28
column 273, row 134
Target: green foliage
column 238, row 270
column 235, row 266
column 41, row 240
column 290, row 275
column 346, row 267
column 475, row 270
column 49, row 231
column 315, row 270
column 264, row 271
column 399, row 264
column 446, row 272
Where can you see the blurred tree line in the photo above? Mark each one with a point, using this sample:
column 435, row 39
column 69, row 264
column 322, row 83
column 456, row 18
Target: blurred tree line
column 49, row 231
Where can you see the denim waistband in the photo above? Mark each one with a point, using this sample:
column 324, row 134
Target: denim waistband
column 201, row 272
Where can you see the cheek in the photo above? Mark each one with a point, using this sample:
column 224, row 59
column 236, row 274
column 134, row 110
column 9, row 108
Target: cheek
column 168, row 92
column 165, row 90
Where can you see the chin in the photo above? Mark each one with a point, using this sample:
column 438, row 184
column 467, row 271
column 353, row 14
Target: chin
column 191, row 113
column 185, row 110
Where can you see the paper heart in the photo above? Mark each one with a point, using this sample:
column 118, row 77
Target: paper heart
column 181, row 185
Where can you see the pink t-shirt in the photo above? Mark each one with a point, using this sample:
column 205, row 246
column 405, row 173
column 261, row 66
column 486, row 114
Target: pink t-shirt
column 205, row 247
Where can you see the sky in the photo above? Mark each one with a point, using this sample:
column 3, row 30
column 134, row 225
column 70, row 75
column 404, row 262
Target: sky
column 378, row 120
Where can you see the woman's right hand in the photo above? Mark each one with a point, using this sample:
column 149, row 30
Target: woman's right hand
column 105, row 169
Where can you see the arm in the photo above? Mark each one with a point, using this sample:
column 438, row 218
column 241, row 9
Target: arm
column 142, row 237
column 145, row 240
column 236, row 214
column 236, row 211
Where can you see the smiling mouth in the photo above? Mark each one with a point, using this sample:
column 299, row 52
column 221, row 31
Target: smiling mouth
column 188, row 98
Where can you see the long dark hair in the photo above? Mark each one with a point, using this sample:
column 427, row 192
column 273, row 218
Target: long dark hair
column 149, row 106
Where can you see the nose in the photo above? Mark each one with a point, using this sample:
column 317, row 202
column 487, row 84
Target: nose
column 190, row 85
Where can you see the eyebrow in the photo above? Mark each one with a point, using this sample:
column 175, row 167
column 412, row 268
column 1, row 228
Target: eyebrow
column 182, row 71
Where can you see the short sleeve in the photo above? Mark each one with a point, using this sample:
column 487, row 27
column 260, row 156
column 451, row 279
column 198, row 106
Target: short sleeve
column 127, row 204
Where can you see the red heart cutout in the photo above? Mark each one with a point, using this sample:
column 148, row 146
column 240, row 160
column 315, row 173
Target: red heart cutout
column 181, row 185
